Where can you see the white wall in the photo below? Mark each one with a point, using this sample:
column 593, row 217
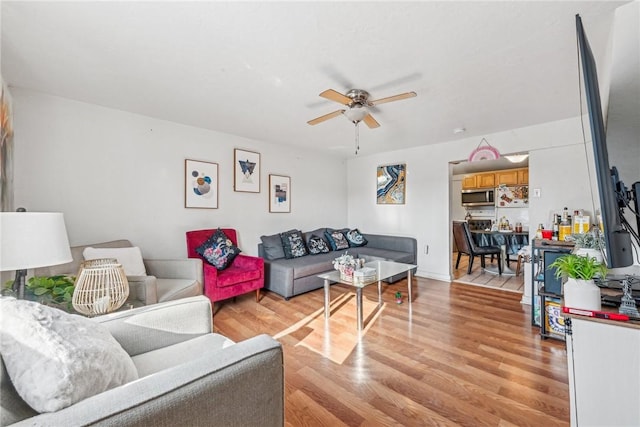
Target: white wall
column 557, row 166
column 120, row 175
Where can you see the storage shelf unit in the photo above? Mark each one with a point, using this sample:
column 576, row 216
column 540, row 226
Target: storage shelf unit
column 546, row 289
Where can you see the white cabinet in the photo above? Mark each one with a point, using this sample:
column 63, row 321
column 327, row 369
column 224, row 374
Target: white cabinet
column 604, row 372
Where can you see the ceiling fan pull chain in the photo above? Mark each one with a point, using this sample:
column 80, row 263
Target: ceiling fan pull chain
column 357, row 139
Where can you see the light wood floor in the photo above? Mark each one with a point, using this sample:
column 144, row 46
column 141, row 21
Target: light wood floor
column 459, row 355
column 482, row 278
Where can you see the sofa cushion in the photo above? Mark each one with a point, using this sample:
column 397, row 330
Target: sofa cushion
column 234, row 275
column 356, row 238
column 374, row 254
column 218, row 250
column 55, row 359
column 272, row 246
column 293, row 244
column 171, row 289
column 129, row 258
column 317, row 245
column 174, row 355
column 337, row 239
column 317, row 232
column 308, row 265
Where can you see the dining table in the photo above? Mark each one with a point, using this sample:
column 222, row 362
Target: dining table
column 509, row 241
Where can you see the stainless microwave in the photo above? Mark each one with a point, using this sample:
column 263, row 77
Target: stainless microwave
column 480, row 197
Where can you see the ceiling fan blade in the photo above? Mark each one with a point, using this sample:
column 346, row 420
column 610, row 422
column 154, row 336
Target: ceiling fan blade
column 333, row 95
column 393, row 98
column 370, row 121
column 325, row 117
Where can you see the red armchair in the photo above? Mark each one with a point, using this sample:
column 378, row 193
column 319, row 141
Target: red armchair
column 245, row 274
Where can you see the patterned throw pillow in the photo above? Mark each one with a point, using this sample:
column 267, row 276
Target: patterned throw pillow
column 218, row 250
column 355, row 238
column 337, row 240
column 293, row 244
column 317, row 245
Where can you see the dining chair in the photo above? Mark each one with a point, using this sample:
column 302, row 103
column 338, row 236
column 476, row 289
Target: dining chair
column 466, row 245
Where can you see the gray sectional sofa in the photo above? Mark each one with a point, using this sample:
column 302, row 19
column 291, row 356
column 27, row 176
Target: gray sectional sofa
column 294, row 276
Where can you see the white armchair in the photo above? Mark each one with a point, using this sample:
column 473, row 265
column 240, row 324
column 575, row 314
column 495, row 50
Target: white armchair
column 166, row 279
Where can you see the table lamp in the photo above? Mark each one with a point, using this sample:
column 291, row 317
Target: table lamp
column 32, row 240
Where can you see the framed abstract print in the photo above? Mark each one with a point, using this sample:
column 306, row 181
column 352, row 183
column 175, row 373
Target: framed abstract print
column 391, row 184
column 279, row 193
column 200, row 184
column 246, row 171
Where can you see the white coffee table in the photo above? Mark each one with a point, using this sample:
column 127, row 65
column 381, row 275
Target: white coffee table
column 384, row 270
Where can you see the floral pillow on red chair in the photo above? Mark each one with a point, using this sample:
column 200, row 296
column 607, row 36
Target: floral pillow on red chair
column 218, row 250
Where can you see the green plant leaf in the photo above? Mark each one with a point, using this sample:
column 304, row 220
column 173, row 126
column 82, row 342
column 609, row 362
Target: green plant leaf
column 40, row 291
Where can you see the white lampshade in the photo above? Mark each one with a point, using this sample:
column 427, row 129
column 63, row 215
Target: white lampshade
column 32, row 240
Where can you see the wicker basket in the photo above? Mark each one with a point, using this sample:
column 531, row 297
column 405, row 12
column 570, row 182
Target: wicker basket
column 101, row 287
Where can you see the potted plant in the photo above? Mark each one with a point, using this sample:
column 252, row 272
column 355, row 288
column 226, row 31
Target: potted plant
column 580, row 291
column 56, row 291
column 590, row 243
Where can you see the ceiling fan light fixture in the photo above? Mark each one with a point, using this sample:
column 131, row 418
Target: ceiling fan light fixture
column 356, row 114
column 516, row 158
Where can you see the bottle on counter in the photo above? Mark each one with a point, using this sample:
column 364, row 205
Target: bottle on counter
column 564, row 229
column 556, row 227
column 539, row 231
column 580, row 223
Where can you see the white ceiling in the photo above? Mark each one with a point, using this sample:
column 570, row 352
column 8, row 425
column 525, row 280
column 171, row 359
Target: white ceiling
column 255, row 69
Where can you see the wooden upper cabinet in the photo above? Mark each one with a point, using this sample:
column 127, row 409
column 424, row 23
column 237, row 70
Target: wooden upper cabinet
column 507, row 177
column 494, row 179
column 486, row 180
column 469, row 182
column 523, row 176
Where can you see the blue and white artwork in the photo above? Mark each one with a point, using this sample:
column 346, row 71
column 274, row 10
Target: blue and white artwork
column 201, row 184
column 246, row 171
column 391, row 184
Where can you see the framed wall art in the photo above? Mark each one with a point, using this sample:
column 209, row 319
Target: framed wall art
column 200, row 184
column 279, row 193
column 246, row 171
column 391, row 184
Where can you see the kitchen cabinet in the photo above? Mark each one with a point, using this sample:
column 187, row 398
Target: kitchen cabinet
column 523, row 176
column 496, row 178
column 509, row 177
column 469, row 182
column 486, row 180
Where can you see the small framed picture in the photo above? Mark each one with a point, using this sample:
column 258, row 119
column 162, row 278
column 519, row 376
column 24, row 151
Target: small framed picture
column 246, row 171
column 279, row 193
column 200, row 184
column 391, row 184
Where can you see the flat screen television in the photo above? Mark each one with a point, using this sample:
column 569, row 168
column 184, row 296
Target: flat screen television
column 613, row 193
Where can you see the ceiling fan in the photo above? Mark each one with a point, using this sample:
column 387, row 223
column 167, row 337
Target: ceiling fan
column 357, row 100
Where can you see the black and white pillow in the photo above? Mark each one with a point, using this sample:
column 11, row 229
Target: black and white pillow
column 355, row 238
column 317, row 245
column 293, row 244
column 337, row 239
